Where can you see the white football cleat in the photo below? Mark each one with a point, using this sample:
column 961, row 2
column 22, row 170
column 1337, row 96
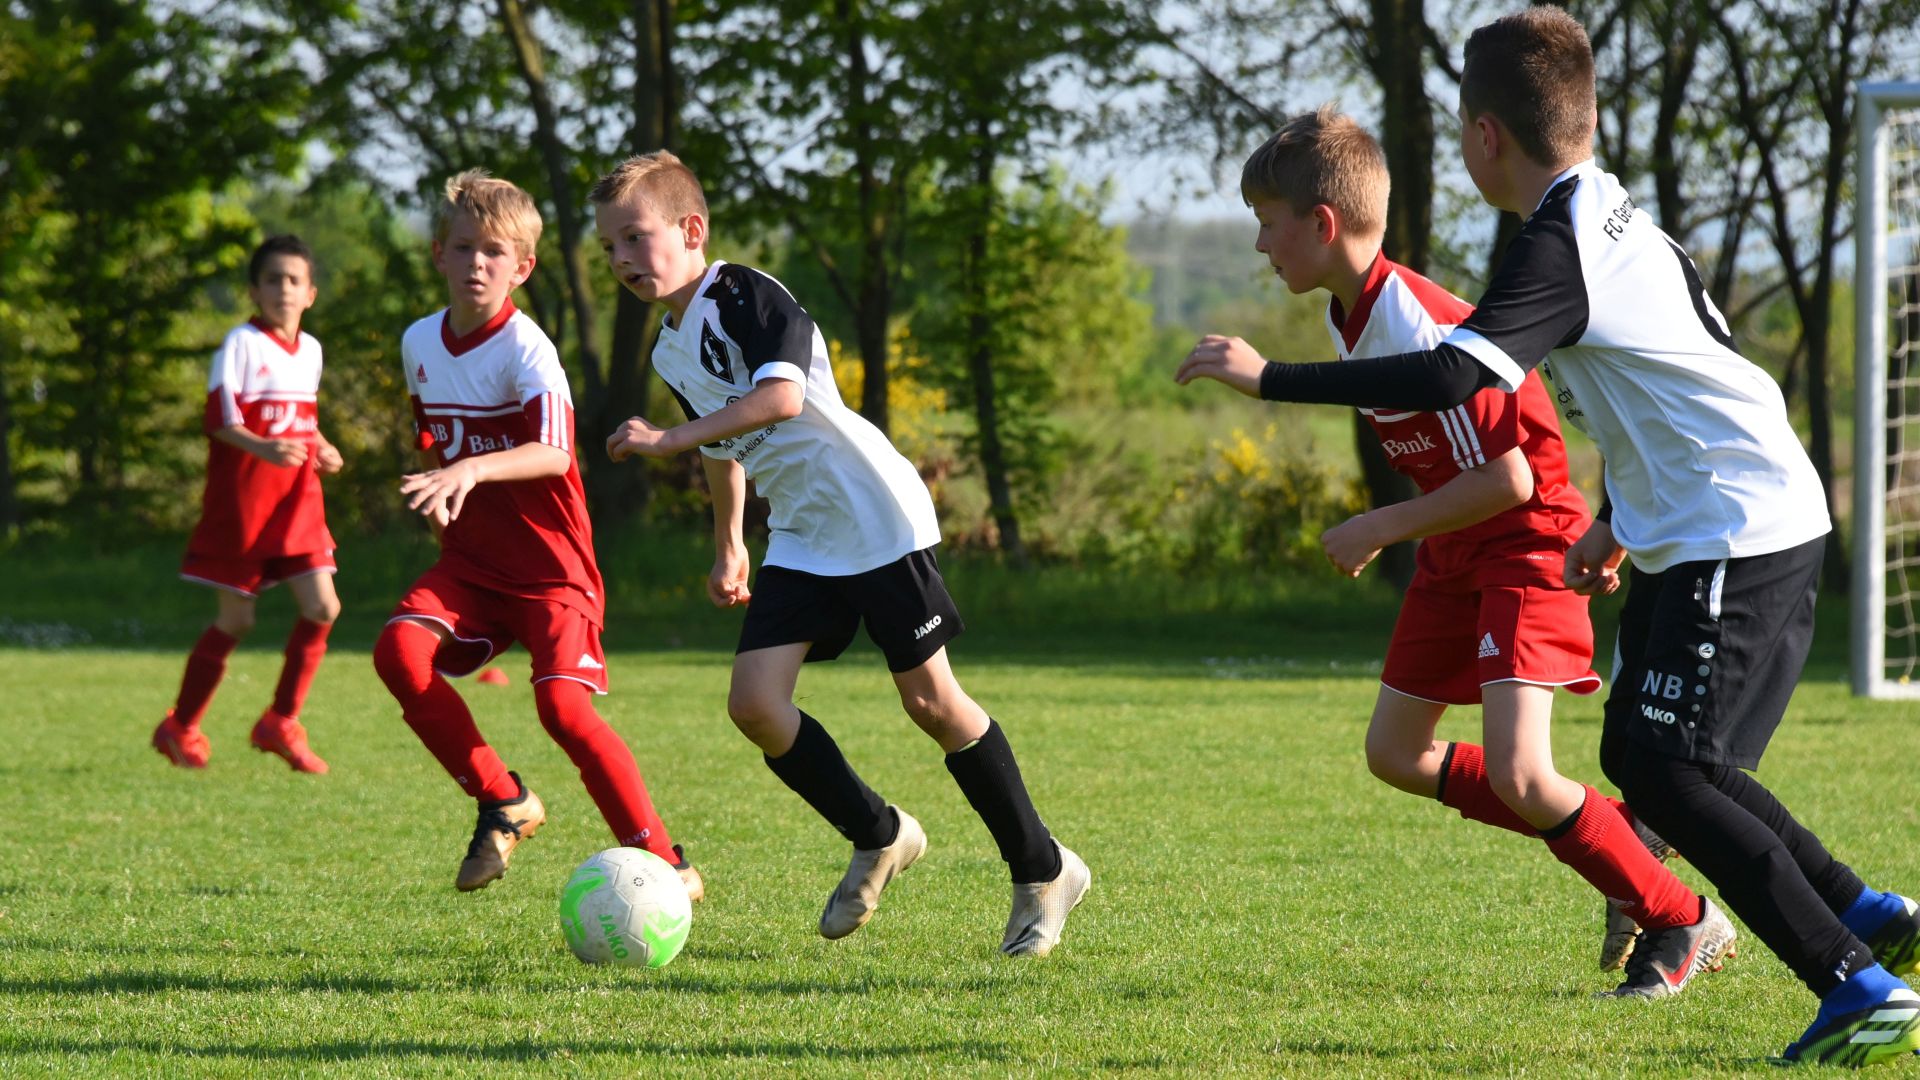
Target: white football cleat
column 853, row 901
column 1040, row 908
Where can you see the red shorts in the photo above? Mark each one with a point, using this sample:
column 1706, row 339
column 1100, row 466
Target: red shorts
column 1514, row 633
column 251, row 577
column 482, row 623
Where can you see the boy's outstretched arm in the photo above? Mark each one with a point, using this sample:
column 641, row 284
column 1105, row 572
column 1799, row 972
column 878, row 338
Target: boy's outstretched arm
column 438, row 494
column 1468, row 499
column 727, row 481
column 763, row 406
column 1431, row 380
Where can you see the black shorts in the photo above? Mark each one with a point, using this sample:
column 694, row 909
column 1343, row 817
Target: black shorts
column 1709, row 654
column 904, row 603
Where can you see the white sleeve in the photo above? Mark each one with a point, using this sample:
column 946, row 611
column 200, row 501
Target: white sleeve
column 541, row 384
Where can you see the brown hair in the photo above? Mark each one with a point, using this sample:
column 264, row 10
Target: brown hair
column 1533, row 71
column 499, row 206
column 660, row 179
column 1322, row 157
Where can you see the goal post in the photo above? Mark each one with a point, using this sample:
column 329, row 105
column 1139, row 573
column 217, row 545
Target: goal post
column 1886, row 441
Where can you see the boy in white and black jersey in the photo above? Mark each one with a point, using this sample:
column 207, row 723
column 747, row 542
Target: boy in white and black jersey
column 853, row 531
column 1707, row 487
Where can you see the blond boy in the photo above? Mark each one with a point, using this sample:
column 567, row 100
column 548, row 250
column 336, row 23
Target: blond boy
column 494, row 415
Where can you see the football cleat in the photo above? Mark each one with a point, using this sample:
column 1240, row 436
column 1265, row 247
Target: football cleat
column 283, row 735
column 1896, row 945
column 690, row 877
column 1040, row 908
column 1887, row 1029
column 858, row 893
column 1665, row 961
column 501, row 827
column 1621, row 932
column 185, row 746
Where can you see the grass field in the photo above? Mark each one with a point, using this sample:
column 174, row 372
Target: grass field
column 1260, row 906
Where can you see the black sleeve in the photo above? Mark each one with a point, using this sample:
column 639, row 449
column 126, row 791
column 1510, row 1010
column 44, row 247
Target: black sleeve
column 1427, row 381
column 762, row 318
column 1537, row 300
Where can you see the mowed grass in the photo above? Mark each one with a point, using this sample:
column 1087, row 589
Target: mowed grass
column 1260, row 905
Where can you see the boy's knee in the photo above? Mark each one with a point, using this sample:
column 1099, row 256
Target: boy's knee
column 235, row 622
column 403, row 658
column 752, row 712
column 321, row 611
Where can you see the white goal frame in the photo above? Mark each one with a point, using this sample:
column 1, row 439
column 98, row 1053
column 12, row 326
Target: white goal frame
column 1869, row 609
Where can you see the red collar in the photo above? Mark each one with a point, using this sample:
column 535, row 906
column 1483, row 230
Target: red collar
column 1352, row 325
column 291, row 347
column 465, row 342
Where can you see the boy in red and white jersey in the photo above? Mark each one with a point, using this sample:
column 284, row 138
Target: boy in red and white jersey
column 1488, row 619
column 494, row 415
column 261, row 517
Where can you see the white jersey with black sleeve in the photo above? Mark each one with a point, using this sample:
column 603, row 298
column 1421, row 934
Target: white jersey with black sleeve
column 842, row 499
column 1701, row 459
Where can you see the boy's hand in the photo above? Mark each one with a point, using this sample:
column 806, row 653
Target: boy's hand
column 287, row 452
column 1593, row 562
column 1225, row 359
column 330, row 460
column 1351, row 545
column 727, row 585
column 440, row 493
column 636, row 436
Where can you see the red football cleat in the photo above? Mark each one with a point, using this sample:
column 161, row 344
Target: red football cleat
column 185, row 746
column 276, row 734
column 493, row 676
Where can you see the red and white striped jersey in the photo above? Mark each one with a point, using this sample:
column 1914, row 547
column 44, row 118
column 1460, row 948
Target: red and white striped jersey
column 491, row 390
column 251, row 508
column 1399, row 311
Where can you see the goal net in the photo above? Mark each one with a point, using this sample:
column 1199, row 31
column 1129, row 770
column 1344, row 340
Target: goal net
column 1886, row 542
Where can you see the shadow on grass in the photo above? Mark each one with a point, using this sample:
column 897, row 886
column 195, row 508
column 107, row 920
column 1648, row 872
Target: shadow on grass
column 504, row 1050
column 168, row 982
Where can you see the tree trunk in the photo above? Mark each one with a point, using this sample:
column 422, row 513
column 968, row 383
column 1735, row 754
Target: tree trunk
column 980, row 355
column 874, row 307
column 566, row 209
column 1398, row 55
column 9, row 508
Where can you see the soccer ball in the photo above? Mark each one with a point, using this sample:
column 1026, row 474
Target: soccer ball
column 625, row 906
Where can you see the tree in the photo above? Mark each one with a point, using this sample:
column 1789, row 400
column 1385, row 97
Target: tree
column 132, row 125
column 990, row 72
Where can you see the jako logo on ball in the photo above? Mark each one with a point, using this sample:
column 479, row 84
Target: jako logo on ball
column 625, row 906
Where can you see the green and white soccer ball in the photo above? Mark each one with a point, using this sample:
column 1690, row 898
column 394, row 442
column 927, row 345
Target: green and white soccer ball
column 625, row 906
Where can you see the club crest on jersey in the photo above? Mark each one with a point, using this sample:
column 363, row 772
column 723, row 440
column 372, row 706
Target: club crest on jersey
column 713, row 354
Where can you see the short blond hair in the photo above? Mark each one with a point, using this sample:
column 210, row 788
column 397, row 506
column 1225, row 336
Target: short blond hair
column 659, row 179
column 500, row 208
column 1322, row 157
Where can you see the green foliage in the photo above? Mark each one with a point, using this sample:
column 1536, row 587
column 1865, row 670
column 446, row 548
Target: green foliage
column 128, row 126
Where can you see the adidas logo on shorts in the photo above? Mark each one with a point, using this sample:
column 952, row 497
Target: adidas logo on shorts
column 1487, row 647
column 587, row 661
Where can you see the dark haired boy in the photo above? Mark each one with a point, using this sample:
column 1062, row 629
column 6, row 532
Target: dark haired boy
column 261, row 517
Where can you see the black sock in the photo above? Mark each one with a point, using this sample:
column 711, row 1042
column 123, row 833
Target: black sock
column 990, row 779
column 816, row 770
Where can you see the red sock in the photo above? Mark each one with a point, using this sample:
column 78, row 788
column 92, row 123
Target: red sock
column 305, row 646
column 1464, row 787
column 1602, row 848
column 606, row 765
column 434, row 710
column 205, row 666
